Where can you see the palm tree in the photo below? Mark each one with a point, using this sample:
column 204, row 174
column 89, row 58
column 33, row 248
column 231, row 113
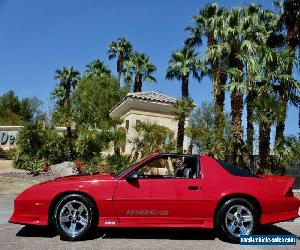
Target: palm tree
column 276, row 65
column 265, row 115
column 122, row 49
column 139, row 66
column 290, row 21
column 241, row 34
column 262, row 23
column 184, row 62
column 97, row 68
column 67, row 80
column 182, row 108
column 209, row 22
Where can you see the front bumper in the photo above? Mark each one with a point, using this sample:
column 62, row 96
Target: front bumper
column 30, row 212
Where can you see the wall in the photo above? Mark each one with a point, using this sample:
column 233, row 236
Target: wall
column 9, row 134
column 160, row 119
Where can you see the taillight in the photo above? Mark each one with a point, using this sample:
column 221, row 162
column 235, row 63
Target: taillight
column 289, row 193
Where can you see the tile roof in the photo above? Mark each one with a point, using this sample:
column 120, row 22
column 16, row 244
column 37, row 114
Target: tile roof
column 152, row 96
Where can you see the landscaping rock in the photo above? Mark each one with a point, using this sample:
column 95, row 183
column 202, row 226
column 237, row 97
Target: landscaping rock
column 63, row 169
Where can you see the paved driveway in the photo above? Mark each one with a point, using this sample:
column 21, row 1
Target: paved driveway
column 25, row 237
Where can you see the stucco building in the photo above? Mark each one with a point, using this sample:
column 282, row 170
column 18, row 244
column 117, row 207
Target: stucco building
column 145, row 106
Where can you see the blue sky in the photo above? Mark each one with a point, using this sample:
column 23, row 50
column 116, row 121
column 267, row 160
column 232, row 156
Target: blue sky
column 38, row 37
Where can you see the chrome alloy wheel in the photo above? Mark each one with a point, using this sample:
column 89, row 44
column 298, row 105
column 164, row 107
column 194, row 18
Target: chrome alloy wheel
column 239, row 220
column 73, row 217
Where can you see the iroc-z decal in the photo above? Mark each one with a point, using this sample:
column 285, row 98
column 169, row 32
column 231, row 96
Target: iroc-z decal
column 148, row 212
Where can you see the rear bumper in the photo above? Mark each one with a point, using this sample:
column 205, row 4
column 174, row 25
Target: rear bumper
column 288, row 209
column 278, row 217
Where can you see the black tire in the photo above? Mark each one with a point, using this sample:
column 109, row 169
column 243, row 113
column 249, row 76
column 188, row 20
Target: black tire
column 221, row 220
column 61, row 210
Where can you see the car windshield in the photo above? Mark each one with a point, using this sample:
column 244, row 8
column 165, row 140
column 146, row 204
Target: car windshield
column 123, row 170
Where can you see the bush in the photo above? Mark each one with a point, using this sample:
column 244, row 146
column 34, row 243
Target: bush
column 38, row 145
column 11, row 153
column 8, row 154
column 91, row 142
column 286, row 156
column 117, row 162
column 2, row 153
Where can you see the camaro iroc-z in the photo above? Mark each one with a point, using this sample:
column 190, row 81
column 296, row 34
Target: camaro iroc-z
column 161, row 191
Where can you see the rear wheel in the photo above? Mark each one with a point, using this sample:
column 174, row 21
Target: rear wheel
column 74, row 216
column 236, row 217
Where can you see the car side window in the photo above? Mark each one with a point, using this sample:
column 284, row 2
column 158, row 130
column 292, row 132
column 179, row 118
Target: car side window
column 169, row 167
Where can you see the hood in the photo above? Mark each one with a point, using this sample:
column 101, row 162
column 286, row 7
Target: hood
column 82, row 177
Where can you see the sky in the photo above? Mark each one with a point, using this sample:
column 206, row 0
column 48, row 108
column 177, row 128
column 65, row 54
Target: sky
column 38, row 37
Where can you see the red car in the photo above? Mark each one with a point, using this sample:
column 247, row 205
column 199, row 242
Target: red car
column 161, row 191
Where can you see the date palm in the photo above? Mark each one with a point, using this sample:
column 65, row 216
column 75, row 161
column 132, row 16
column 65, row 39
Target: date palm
column 276, row 64
column 182, row 108
column 67, row 78
column 122, row 49
column 242, row 33
column 262, row 23
column 182, row 64
column 97, row 68
column 140, row 67
column 265, row 116
column 208, row 23
column 289, row 21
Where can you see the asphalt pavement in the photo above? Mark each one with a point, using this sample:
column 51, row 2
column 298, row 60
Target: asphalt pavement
column 26, row 237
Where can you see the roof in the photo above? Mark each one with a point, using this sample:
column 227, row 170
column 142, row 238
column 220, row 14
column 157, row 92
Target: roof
column 152, row 96
column 142, row 100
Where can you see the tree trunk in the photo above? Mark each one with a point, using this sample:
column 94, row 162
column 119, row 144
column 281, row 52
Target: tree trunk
column 281, row 117
column 250, row 127
column 120, row 66
column 236, row 107
column 219, row 96
column 218, row 82
column 137, row 83
column 236, row 114
column 69, row 130
column 180, row 134
column 264, row 147
column 185, row 86
column 119, row 78
column 283, row 99
column 70, row 143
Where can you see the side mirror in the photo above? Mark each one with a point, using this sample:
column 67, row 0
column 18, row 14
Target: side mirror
column 132, row 176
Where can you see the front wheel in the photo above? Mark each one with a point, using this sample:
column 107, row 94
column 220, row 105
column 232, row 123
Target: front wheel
column 236, row 217
column 74, row 216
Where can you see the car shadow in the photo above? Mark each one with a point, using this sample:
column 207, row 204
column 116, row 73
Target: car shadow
column 272, row 230
column 36, row 231
column 143, row 233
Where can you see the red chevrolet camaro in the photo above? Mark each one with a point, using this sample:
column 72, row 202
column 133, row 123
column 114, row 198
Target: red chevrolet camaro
column 161, row 191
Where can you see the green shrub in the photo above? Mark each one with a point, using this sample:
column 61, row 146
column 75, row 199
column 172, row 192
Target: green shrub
column 8, row 154
column 28, row 163
column 11, row 153
column 117, row 162
column 2, row 153
column 38, row 145
column 91, row 142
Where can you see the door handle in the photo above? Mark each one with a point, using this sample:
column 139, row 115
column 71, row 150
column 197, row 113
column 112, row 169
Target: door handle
column 193, row 187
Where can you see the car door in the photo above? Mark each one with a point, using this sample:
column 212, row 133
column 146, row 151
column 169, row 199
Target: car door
column 160, row 198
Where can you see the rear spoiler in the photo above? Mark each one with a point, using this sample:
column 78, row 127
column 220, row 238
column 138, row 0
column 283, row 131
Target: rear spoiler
column 286, row 181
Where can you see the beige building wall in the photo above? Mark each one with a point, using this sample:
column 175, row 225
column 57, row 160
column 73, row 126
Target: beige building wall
column 132, row 116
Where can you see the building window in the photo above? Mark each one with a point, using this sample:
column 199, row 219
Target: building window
column 138, row 122
column 127, row 124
